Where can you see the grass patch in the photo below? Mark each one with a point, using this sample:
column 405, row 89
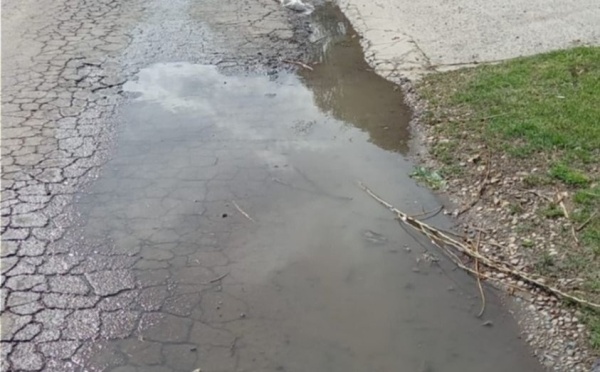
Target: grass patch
column 429, row 177
column 515, row 208
column 542, row 113
column 534, row 181
column 546, row 103
column 593, row 322
column 527, row 243
column 552, row 211
column 569, row 175
column 588, row 197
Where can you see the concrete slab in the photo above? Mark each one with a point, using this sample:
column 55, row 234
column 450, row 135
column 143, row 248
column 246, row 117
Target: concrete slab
column 404, row 38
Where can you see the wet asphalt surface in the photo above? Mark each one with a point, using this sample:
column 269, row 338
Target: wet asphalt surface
column 176, row 197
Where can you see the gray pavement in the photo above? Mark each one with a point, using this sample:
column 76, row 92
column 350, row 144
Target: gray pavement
column 175, row 197
column 404, row 38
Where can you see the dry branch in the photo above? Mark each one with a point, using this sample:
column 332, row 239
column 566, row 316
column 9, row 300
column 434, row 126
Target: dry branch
column 298, row 63
column 481, row 293
column 481, row 188
column 216, row 279
column 242, row 211
column 425, row 213
column 443, row 241
column 583, row 225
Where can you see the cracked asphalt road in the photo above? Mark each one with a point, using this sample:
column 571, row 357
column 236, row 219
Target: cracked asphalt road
column 175, row 197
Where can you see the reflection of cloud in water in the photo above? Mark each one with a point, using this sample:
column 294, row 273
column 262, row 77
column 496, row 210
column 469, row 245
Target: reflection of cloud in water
column 261, row 108
column 249, row 107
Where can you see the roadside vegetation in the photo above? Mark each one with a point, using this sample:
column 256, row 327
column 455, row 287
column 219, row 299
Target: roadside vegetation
column 528, row 130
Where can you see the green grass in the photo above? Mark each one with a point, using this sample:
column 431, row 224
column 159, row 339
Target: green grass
column 515, row 208
column 527, row 243
column 429, row 177
column 547, row 103
column 552, row 211
column 593, row 322
column 538, row 112
column 569, row 175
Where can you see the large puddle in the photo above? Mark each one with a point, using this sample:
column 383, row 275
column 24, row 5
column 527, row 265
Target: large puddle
column 255, row 250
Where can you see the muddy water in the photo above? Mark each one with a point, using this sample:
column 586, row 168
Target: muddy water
column 254, row 249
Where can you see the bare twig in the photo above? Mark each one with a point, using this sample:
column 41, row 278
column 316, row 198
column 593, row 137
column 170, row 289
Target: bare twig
column 242, row 211
column 425, row 213
column 564, row 209
column 233, row 346
column 443, row 241
column 566, row 214
column 538, row 195
column 583, row 225
column 216, row 279
column 298, row 63
column 479, row 277
column 574, row 235
column 317, row 191
column 481, row 187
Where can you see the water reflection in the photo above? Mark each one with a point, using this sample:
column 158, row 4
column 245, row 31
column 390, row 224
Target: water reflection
column 345, row 87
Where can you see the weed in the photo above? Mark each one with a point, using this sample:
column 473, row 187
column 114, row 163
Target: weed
column 546, row 263
column 534, row 180
column 515, row 208
column 525, row 227
column 527, row 243
column 587, row 197
column 593, row 322
column 568, row 175
column 429, row 177
column 552, row 211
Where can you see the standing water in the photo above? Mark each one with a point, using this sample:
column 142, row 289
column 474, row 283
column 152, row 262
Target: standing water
column 252, row 248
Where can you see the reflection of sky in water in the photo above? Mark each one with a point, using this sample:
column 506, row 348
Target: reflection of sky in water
column 280, row 112
column 341, row 93
column 345, row 86
column 276, row 109
column 281, row 109
column 202, row 88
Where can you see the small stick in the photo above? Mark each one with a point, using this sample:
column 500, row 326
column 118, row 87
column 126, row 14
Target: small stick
column 538, row 195
column 216, row 279
column 298, row 63
column 233, row 346
column 583, row 225
column 574, row 234
column 242, row 211
column 482, row 187
column 479, row 277
column 566, row 213
column 564, row 209
column 441, row 239
column 425, row 213
column 315, row 192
